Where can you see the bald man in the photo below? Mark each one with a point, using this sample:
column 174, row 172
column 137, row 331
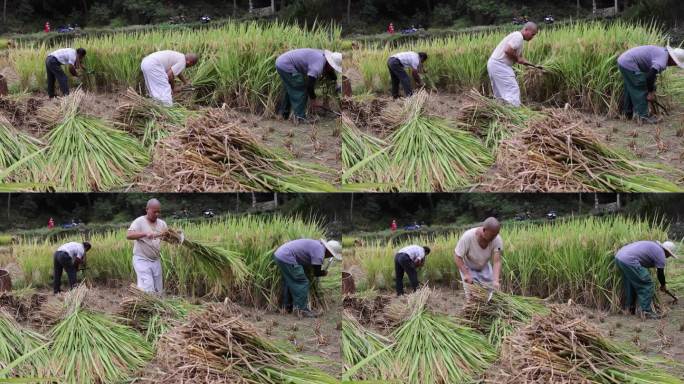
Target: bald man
column 161, row 69
column 478, row 255
column 145, row 231
column 500, row 64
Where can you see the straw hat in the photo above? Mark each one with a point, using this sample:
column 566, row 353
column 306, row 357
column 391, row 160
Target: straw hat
column 334, row 59
column 334, row 247
column 677, row 54
column 669, row 247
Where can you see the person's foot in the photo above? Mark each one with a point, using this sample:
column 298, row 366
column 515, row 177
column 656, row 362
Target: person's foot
column 304, row 120
column 649, row 120
column 306, row 313
column 652, row 315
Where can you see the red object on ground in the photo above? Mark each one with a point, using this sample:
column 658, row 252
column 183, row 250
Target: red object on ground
column 390, row 28
column 393, row 227
column 47, row 27
column 51, row 223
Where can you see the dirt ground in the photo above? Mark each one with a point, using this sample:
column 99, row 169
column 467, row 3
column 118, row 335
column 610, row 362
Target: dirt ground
column 656, row 338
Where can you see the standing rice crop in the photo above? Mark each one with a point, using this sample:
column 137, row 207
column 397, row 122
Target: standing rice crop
column 89, row 347
column 85, row 153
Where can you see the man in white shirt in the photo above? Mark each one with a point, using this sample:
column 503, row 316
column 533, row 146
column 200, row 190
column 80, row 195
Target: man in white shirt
column 68, row 257
column 145, row 231
column 397, row 64
column 500, row 64
column 160, row 70
column 477, row 250
column 72, row 58
column 408, row 260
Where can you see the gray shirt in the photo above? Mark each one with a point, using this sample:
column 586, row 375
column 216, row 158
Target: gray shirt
column 647, row 254
column 643, row 58
column 302, row 251
column 307, row 61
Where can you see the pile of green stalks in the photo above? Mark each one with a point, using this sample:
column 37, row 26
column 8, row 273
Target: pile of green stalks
column 153, row 315
column 212, row 259
column 216, row 345
column 548, row 261
column 560, row 347
column 236, row 64
column 424, row 153
column 560, row 153
column 14, row 147
column 85, row 153
column 17, row 342
column 366, row 354
column 579, row 60
column 364, row 156
column 215, row 152
column 90, row 347
column 254, row 238
column 498, row 317
column 147, row 119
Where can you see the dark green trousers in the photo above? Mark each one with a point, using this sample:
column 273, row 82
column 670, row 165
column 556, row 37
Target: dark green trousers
column 295, row 285
column 637, row 284
column 635, row 92
column 295, row 96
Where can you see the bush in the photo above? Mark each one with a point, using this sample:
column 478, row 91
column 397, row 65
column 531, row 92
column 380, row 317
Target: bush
column 99, row 14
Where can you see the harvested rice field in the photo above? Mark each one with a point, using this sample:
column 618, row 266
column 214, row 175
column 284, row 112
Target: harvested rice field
column 219, row 320
column 569, row 134
column 556, row 324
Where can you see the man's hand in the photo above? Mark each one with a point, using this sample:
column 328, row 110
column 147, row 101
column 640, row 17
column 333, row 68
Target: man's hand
column 496, row 285
column 420, row 263
column 651, row 96
column 468, row 278
column 324, row 273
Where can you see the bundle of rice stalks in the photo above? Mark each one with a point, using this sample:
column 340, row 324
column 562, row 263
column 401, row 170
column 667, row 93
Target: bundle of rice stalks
column 364, row 156
column 85, row 153
column 366, row 353
column 147, row 119
column 214, row 152
column 90, row 347
column 217, row 262
column 560, row 347
column 431, row 348
column 367, row 309
column 14, row 146
column 151, row 314
column 15, row 342
column 218, row 347
column 23, row 304
column 501, row 315
column 558, row 153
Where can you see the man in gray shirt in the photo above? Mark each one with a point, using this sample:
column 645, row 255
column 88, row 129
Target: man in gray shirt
column 640, row 67
column 633, row 260
column 292, row 259
column 300, row 69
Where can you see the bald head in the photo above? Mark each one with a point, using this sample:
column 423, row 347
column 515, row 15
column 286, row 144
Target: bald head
column 490, row 229
column 153, row 210
column 529, row 30
column 191, row 59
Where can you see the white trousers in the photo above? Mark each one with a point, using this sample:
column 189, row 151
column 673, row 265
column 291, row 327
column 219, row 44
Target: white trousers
column 485, row 277
column 504, row 84
column 157, row 81
column 149, row 274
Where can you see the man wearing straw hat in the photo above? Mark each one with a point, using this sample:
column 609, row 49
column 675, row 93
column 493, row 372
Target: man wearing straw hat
column 640, row 67
column 408, row 260
column 145, row 231
column 68, row 257
column 299, row 70
column 72, row 58
column 478, row 255
column 633, row 260
column 160, row 70
column 500, row 64
column 292, row 259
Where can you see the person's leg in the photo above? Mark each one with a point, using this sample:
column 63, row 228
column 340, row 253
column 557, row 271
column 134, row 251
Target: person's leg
column 50, row 78
column 644, row 287
column 627, row 106
column 286, row 301
column 492, row 79
column 394, row 79
column 404, row 78
column 157, row 83
column 70, row 269
column 299, row 287
column 285, row 105
column 398, row 276
column 56, row 273
column 295, row 85
column 628, row 303
column 157, row 276
column 143, row 272
column 410, row 269
column 485, row 276
column 62, row 79
column 635, row 87
column 506, row 83
column 466, row 288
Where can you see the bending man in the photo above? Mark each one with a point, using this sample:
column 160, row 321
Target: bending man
column 408, row 260
column 500, row 64
column 160, row 70
column 397, row 65
column 478, row 255
column 68, row 257
column 72, row 58
column 145, row 231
